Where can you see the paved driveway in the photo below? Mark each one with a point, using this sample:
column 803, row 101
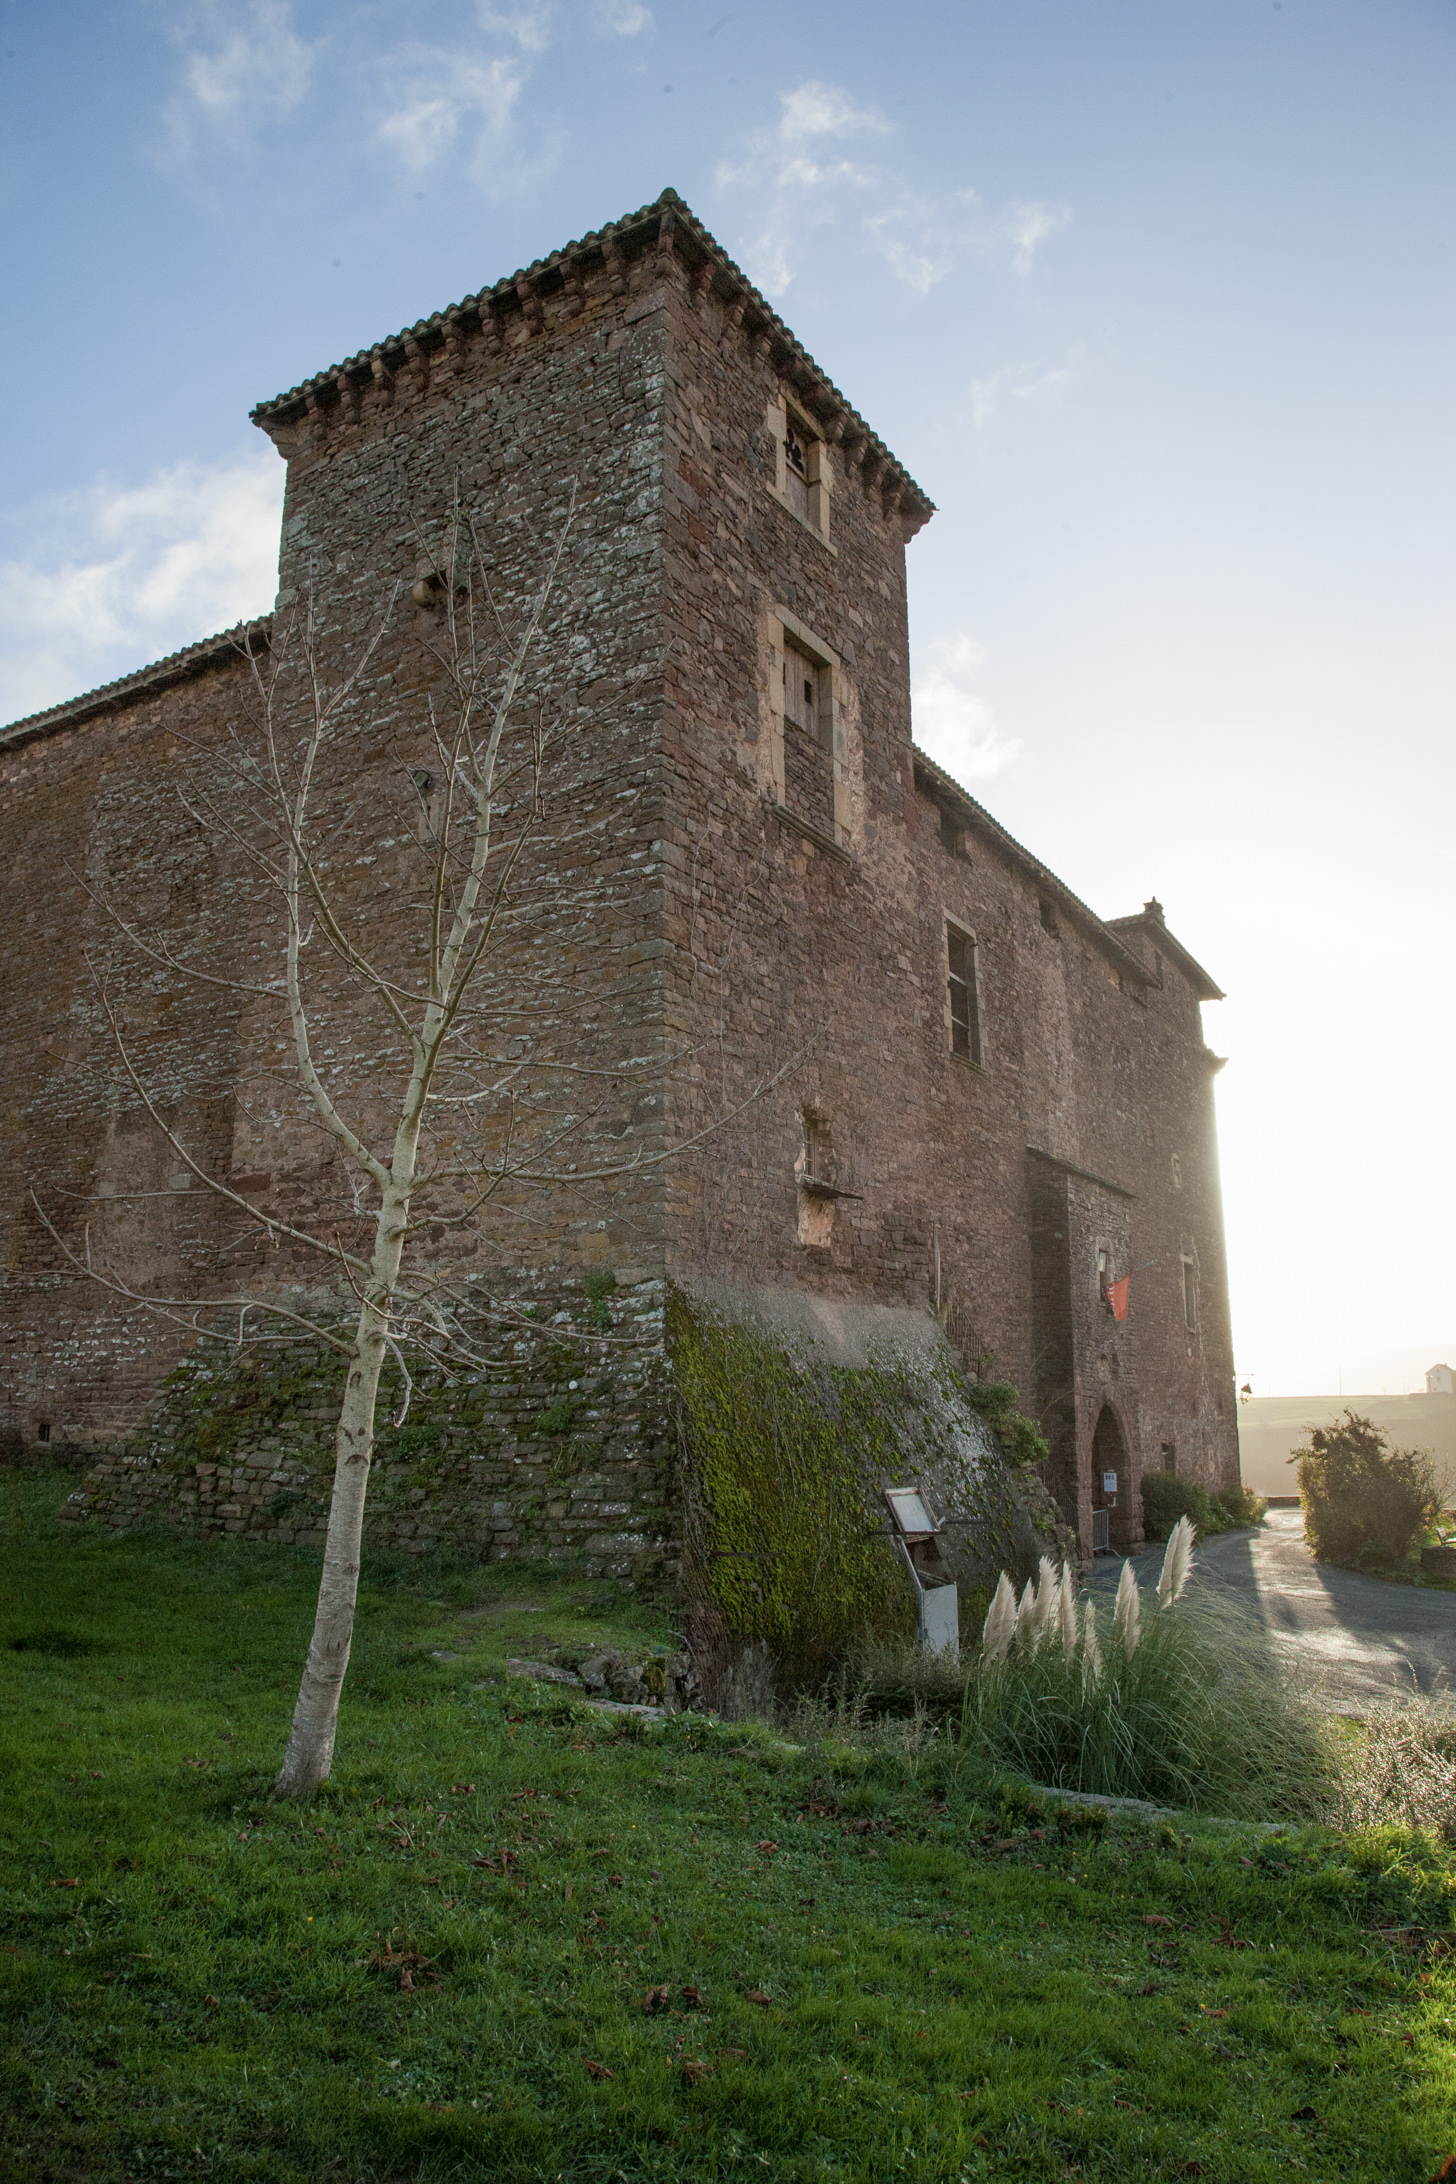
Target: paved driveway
column 1349, row 1638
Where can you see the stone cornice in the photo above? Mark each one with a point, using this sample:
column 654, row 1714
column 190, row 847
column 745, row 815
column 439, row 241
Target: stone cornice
column 662, row 239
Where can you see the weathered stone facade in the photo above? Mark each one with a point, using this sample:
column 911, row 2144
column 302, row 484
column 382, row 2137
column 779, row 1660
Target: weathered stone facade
column 896, row 1062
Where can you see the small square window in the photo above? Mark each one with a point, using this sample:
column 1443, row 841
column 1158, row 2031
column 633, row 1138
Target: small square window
column 965, row 1000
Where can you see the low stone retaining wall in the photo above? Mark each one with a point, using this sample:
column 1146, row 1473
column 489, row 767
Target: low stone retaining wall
column 566, row 1448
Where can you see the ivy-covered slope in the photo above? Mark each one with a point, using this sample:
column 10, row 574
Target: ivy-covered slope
column 791, row 1430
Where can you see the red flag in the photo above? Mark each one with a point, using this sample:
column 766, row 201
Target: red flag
column 1117, row 1297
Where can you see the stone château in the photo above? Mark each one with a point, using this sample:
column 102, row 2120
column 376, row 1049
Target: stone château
column 990, row 1118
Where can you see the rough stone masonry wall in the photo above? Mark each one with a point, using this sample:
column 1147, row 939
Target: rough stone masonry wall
column 565, row 1450
column 559, row 400
column 80, row 806
column 830, row 956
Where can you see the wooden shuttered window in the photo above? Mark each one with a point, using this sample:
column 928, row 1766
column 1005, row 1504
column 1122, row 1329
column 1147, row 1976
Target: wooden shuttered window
column 965, row 1000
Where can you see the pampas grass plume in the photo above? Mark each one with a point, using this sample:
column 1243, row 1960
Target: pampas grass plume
column 1047, row 1586
column 1177, row 1562
column 1000, row 1626
column 1091, row 1650
column 1127, row 1613
column 1026, row 1616
column 1067, row 1611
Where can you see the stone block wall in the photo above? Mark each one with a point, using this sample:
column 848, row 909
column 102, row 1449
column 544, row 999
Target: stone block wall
column 565, row 1450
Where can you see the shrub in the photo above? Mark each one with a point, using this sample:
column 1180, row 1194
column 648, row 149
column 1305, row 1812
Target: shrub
column 1166, row 1498
column 1242, row 1504
column 1364, row 1503
column 999, row 1403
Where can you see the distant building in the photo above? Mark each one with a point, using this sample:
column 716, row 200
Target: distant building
column 1441, row 1380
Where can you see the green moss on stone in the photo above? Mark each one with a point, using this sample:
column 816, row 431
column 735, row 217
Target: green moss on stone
column 786, row 1458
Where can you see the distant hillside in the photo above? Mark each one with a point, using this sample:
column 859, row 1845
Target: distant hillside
column 1271, row 1426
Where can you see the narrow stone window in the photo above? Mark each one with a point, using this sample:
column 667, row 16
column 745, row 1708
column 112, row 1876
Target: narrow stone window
column 952, row 834
column 1047, row 912
column 1170, row 1456
column 808, row 740
column 801, row 467
column 796, row 469
column 1176, row 1170
column 805, row 694
column 1190, row 1295
column 43, row 1430
column 965, row 999
column 814, row 1171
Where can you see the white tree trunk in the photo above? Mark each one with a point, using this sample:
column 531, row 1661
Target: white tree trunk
column 310, row 1752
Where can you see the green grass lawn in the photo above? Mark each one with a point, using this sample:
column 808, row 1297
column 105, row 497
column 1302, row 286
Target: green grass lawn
column 862, row 1964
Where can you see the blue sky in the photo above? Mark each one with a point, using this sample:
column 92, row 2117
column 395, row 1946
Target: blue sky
column 1154, row 299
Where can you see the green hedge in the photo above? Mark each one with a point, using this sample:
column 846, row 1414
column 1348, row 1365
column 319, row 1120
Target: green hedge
column 1166, row 1498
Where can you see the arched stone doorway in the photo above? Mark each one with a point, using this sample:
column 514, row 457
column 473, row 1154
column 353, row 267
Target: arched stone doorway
column 1110, row 1461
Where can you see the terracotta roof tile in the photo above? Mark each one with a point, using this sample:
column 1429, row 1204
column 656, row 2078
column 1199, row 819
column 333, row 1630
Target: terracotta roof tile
column 637, row 227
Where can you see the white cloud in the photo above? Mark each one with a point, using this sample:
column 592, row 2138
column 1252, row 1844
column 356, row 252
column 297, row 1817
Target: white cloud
column 621, row 18
column 1025, row 227
column 244, row 64
column 798, row 169
column 445, row 96
column 952, row 723
column 922, row 240
column 529, row 27
column 793, row 163
column 1025, row 383
column 823, row 110
column 114, row 577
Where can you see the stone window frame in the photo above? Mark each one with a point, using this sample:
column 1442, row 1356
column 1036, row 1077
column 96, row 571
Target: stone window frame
column 1102, row 1263
column 782, row 417
column 1188, row 1282
column 837, row 706
column 814, row 1175
column 975, row 1055
column 822, row 728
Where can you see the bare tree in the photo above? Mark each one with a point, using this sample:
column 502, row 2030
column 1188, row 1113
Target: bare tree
column 450, row 1124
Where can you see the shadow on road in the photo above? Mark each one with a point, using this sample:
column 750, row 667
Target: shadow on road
column 1355, row 1640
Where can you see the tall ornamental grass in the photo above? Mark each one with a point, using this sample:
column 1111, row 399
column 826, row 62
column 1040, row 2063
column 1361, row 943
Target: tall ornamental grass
column 1174, row 1700
column 1400, row 1769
